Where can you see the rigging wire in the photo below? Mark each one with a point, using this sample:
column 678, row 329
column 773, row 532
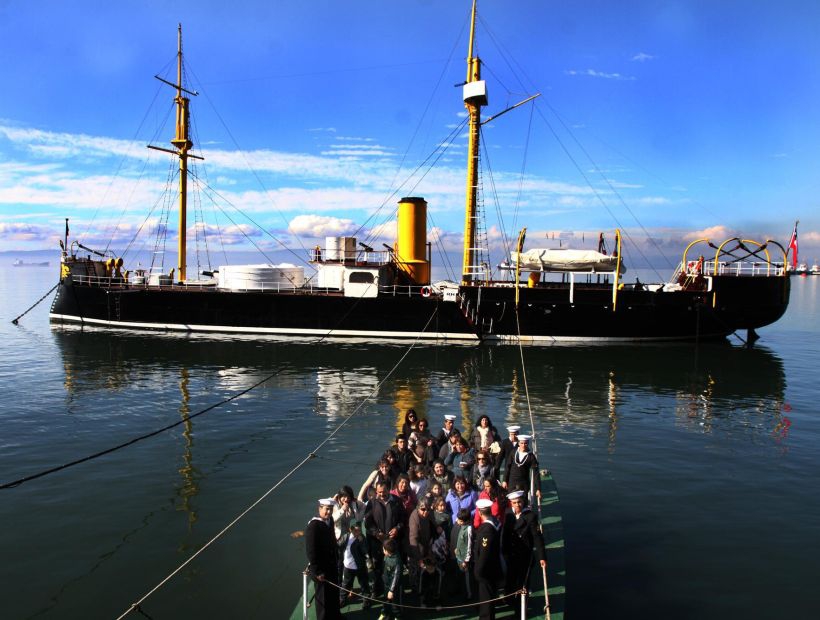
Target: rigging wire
column 523, row 168
column 115, row 227
column 441, row 149
column 121, row 164
column 252, row 170
column 597, row 194
column 206, row 188
column 312, row 454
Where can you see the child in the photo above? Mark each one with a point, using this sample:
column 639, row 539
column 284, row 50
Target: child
column 355, row 565
column 392, row 580
column 461, row 544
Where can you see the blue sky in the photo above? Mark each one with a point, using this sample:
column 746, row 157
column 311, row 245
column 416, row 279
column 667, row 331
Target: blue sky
column 672, row 118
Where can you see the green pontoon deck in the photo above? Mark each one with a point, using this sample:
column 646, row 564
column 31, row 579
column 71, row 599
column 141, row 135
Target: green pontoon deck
column 553, row 530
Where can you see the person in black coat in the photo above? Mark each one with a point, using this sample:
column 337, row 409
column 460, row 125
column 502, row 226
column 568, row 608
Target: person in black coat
column 444, row 435
column 508, row 447
column 521, row 540
column 383, row 520
column 404, row 458
column 522, row 465
column 321, row 549
column 486, row 559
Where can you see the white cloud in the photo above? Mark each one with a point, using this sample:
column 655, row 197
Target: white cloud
column 642, row 57
column 320, row 226
column 713, row 232
column 21, row 231
column 599, row 74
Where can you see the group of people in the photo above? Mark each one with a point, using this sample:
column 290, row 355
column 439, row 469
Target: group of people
column 452, row 512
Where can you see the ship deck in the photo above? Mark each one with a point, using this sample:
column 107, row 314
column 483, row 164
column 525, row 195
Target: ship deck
column 552, row 527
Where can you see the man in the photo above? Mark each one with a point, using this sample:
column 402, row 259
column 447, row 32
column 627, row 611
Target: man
column 404, row 458
column 487, row 559
column 520, row 539
column 523, row 465
column 508, row 448
column 444, row 434
column 461, row 459
column 450, row 444
column 422, row 529
column 321, row 548
column 383, row 520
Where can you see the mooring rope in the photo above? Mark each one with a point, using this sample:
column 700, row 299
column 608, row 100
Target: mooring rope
column 125, row 444
column 90, row 457
column 535, row 451
column 135, row 606
column 36, row 303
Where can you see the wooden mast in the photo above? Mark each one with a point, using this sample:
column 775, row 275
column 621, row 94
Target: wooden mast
column 475, row 96
column 183, row 145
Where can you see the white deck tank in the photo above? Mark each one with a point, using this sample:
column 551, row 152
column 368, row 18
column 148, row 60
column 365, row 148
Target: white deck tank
column 264, row 277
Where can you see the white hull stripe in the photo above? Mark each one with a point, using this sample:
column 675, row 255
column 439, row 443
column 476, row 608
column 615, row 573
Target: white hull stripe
column 352, row 333
column 265, row 330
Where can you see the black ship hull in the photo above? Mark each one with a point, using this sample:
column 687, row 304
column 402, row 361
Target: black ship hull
column 545, row 313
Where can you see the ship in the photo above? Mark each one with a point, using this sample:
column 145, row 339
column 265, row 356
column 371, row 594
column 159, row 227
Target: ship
column 535, row 296
column 21, row 263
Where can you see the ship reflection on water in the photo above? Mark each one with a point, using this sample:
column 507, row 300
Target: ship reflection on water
column 586, row 387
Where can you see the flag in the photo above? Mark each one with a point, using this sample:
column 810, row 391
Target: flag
column 793, row 247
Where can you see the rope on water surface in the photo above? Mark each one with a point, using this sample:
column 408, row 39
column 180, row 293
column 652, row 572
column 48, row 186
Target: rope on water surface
column 15, row 321
column 90, row 457
column 312, row 454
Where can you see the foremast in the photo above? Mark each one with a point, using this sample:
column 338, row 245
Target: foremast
column 475, row 96
column 182, row 147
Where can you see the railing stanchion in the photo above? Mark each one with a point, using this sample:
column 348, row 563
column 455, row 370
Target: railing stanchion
column 523, row 606
column 304, row 595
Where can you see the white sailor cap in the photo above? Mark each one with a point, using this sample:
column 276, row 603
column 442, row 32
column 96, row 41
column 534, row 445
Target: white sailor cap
column 516, row 495
column 328, row 501
column 483, row 503
column 525, row 438
column 450, row 417
column 514, row 428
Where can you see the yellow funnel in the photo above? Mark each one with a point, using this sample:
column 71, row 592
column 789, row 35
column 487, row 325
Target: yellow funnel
column 411, row 246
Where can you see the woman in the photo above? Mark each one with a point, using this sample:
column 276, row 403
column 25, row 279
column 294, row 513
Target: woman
column 484, row 434
column 483, row 469
column 421, row 436
column 347, row 509
column 418, row 480
column 441, row 475
column 382, row 473
column 461, row 496
column 441, row 515
column 434, row 491
column 410, row 422
column 405, row 494
column 494, row 491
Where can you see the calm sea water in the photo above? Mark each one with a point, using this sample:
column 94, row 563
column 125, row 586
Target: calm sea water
column 688, row 474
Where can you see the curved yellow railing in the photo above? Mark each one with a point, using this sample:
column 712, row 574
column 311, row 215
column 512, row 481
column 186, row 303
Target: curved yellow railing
column 617, row 269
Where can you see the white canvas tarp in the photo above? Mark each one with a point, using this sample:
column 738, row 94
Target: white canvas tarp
column 562, row 259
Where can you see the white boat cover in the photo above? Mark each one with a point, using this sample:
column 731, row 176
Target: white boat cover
column 564, row 259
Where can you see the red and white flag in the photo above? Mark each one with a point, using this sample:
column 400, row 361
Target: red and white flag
column 793, row 247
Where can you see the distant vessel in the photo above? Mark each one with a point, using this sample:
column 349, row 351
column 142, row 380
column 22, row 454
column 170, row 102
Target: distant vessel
column 548, row 295
column 22, row 263
column 815, row 270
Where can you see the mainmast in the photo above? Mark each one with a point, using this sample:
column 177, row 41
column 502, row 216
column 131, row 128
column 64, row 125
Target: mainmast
column 183, row 145
column 475, row 96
